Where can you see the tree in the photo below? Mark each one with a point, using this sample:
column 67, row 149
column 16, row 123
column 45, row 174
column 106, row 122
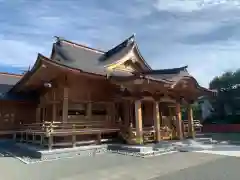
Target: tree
column 196, row 108
column 227, row 100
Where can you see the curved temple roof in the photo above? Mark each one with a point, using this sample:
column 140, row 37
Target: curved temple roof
column 81, row 57
column 90, row 60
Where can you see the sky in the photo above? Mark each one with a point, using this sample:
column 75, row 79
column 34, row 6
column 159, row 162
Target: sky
column 203, row 34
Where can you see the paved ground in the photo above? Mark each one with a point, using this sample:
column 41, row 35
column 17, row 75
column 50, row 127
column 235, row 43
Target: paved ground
column 192, row 166
column 226, row 168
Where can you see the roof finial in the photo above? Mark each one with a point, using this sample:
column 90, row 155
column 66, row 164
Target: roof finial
column 58, row 38
column 132, row 38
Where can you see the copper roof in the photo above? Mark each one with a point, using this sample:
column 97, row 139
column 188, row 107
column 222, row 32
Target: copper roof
column 90, row 60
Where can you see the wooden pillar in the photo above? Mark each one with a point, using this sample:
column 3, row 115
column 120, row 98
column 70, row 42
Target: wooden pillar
column 179, row 121
column 89, row 111
column 50, row 142
column 42, row 140
column 126, row 114
column 74, row 140
column 172, row 121
column 43, row 112
column 138, row 119
column 170, row 116
column 38, row 114
column 54, row 111
column 99, row 136
column 131, row 113
column 111, row 113
column 54, row 108
column 157, row 119
column 21, row 138
column 191, row 132
column 65, row 105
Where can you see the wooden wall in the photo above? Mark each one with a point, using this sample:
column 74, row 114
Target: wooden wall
column 81, row 90
column 85, row 89
column 12, row 113
column 147, row 110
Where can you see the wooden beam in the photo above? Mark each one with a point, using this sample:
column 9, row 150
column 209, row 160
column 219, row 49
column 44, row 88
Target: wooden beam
column 157, row 119
column 179, row 121
column 138, row 119
column 191, row 132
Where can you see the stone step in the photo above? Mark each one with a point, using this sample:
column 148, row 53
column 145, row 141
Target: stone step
column 203, row 140
column 130, row 148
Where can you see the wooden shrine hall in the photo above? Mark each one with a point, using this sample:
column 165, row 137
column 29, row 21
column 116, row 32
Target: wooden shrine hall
column 83, row 95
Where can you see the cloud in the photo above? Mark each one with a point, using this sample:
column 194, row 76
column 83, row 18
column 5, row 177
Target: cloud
column 18, row 53
column 194, row 5
column 203, row 34
column 178, row 5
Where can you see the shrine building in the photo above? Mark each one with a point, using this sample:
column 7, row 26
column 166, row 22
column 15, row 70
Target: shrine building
column 82, row 95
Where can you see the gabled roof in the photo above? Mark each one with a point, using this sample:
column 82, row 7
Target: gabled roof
column 7, row 82
column 42, row 62
column 126, row 43
column 168, row 76
column 82, row 59
column 58, row 39
column 88, row 59
column 167, row 71
column 172, row 75
column 126, row 46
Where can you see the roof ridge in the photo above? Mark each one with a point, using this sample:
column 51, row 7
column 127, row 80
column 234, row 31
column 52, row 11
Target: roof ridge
column 80, row 45
column 166, row 71
column 119, row 47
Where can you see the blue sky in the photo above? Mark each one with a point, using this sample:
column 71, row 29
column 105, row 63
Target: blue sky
column 203, row 34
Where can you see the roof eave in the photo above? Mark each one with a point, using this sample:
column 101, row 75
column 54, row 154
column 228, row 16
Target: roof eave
column 141, row 57
column 27, row 75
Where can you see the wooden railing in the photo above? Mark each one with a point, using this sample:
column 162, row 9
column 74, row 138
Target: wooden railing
column 54, row 127
column 196, row 124
column 58, row 133
column 149, row 134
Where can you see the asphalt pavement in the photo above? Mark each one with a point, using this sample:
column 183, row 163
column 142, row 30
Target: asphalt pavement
column 226, row 168
column 188, row 165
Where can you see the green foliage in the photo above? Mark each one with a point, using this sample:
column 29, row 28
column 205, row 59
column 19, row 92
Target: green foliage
column 228, row 86
column 196, row 112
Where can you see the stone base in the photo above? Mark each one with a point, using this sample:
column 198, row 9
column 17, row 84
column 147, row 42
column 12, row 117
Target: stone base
column 32, row 153
column 140, row 150
column 41, row 153
column 130, row 148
